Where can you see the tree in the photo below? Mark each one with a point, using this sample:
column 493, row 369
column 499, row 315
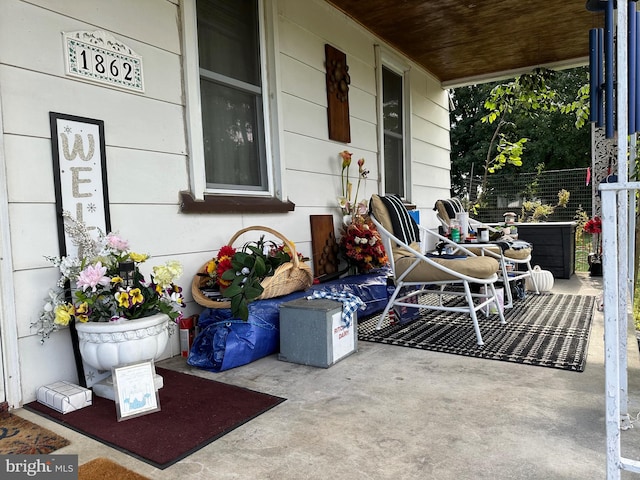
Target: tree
column 529, row 120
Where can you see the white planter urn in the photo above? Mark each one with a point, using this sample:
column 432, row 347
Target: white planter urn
column 104, row 345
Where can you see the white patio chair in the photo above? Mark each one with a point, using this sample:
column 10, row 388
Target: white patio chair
column 427, row 274
column 514, row 253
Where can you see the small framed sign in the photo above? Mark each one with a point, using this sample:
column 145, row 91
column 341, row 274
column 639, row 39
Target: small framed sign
column 135, row 390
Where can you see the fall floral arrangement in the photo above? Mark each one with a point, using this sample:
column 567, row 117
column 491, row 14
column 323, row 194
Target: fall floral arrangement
column 362, row 246
column 360, row 242
column 103, row 283
column 236, row 274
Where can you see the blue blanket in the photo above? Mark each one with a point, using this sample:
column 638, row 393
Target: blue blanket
column 224, row 342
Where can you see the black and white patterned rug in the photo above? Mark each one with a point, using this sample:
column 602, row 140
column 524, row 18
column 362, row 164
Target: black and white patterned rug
column 548, row 330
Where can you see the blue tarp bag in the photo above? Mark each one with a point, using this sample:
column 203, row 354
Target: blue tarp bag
column 224, row 342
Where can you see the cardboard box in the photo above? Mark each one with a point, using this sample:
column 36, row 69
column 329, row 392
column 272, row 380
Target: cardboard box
column 187, row 334
column 64, row 397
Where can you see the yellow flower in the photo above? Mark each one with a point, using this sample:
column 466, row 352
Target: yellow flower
column 165, row 275
column 136, row 296
column 63, row 314
column 82, row 308
column 82, row 312
column 211, row 267
column 116, row 279
column 123, row 299
column 138, row 257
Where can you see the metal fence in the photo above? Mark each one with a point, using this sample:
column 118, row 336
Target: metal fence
column 508, row 192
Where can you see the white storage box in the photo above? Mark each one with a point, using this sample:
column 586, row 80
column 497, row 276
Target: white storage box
column 64, row 397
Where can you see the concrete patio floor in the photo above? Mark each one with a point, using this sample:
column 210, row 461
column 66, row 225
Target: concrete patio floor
column 392, row 412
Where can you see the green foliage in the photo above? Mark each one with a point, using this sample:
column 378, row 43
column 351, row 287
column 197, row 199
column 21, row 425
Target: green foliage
column 536, row 211
column 508, row 153
column 580, row 106
column 525, row 93
column 581, row 217
column 543, row 107
column 256, row 261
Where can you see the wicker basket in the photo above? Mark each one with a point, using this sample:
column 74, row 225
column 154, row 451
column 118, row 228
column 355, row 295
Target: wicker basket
column 287, row 278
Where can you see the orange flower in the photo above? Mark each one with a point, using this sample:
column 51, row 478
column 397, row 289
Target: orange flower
column 346, row 159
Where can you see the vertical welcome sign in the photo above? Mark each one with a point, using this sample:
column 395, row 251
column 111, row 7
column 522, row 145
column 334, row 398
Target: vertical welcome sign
column 80, row 177
column 80, row 174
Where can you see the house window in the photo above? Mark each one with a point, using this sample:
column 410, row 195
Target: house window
column 393, row 122
column 228, row 46
column 231, row 95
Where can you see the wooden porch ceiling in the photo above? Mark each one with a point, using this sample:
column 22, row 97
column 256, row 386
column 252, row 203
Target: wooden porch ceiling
column 468, row 41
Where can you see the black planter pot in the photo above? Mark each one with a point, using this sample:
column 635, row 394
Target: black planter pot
column 595, row 265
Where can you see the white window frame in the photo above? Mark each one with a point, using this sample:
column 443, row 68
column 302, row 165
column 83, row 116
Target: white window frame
column 395, row 63
column 267, row 12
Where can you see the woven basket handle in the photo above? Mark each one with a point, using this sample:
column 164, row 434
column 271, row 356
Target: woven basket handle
column 285, row 240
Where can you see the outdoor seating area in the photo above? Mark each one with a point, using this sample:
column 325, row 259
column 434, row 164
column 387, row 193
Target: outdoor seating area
column 415, row 272
column 514, row 255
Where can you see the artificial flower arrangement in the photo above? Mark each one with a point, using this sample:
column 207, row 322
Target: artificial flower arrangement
column 362, row 246
column 103, row 283
column 236, row 274
column 347, row 205
column 594, row 227
column 360, row 242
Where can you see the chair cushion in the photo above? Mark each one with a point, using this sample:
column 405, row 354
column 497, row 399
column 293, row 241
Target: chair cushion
column 394, row 217
column 477, row 267
column 377, row 208
column 447, row 209
column 519, row 254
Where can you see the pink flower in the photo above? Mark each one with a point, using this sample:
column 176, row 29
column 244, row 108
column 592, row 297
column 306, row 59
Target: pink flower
column 117, row 242
column 92, row 276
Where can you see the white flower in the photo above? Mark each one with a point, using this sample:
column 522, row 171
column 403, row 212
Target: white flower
column 70, row 267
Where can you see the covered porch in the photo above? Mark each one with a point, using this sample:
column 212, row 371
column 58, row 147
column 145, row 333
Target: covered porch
column 394, row 412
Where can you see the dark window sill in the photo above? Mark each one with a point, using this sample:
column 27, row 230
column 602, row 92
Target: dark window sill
column 233, row 204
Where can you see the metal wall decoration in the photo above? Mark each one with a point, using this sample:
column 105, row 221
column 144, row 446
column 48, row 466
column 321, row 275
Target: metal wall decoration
column 604, row 163
column 338, row 81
